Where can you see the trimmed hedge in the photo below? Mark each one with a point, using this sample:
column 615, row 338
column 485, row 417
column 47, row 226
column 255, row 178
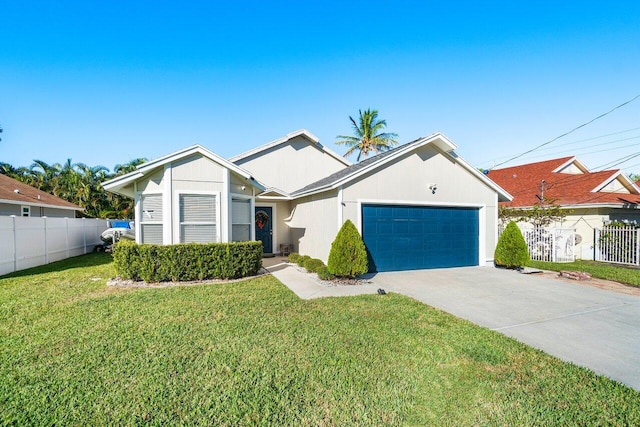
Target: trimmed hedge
column 186, row 262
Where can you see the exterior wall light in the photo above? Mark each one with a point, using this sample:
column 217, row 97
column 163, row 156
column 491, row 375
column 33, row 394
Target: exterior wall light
column 433, row 188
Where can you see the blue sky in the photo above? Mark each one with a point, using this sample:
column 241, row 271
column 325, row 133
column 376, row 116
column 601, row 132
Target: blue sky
column 106, row 82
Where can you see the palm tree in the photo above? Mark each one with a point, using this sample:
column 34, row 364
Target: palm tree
column 128, row 167
column 367, row 137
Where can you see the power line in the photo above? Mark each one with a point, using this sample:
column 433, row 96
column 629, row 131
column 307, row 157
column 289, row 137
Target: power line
column 571, row 143
column 619, row 161
column 571, row 131
column 580, row 150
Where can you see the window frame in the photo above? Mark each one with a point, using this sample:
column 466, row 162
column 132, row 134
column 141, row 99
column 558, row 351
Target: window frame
column 178, row 220
column 250, row 201
column 152, row 221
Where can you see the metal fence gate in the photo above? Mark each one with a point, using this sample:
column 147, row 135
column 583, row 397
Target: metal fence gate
column 619, row 245
column 551, row 244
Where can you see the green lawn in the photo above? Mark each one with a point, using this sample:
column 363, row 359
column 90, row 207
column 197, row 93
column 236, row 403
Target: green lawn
column 600, row 270
column 73, row 351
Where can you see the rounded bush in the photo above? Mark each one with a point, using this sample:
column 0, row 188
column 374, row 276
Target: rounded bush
column 312, row 265
column 348, row 256
column 293, row 257
column 302, row 260
column 511, row 250
column 324, row 273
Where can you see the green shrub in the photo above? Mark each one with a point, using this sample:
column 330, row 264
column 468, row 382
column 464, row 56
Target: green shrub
column 187, row 262
column 302, row 260
column 348, row 256
column 312, row 265
column 293, row 257
column 324, row 273
column 511, row 250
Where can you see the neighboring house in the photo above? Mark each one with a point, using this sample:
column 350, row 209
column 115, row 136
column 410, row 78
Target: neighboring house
column 417, row 206
column 19, row 199
column 591, row 199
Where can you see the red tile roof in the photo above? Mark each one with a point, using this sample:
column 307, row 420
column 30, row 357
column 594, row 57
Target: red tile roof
column 29, row 195
column 524, row 184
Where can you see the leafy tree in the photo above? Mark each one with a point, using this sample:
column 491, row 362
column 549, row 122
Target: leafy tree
column 77, row 183
column 367, row 137
column 511, row 250
column 539, row 215
column 348, row 255
column 129, row 166
column 635, row 177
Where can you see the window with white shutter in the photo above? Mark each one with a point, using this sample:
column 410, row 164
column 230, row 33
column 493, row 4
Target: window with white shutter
column 240, row 220
column 151, row 218
column 198, row 218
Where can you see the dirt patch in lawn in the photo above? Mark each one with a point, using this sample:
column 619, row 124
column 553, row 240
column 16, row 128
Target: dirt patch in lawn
column 608, row 285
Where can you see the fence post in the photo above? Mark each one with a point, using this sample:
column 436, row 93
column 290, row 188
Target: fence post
column 15, row 245
column 66, row 221
column 638, row 246
column 84, row 236
column 46, row 241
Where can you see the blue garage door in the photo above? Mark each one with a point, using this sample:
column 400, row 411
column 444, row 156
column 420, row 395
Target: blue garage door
column 417, row 237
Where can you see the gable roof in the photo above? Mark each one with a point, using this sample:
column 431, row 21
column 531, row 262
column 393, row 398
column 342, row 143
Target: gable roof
column 116, row 185
column 582, row 188
column 352, row 172
column 288, row 137
column 15, row 192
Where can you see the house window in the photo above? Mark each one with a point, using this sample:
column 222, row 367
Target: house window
column 151, row 218
column 26, row 211
column 240, row 220
column 198, row 218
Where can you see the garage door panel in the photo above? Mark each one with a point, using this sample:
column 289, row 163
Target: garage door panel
column 417, row 237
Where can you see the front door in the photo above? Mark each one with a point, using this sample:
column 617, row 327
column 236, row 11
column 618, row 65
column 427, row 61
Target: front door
column 264, row 228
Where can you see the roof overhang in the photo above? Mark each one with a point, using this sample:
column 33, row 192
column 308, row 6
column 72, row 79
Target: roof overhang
column 622, row 205
column 624, row 179
column 121, row 184
column 575, row 161
column 273, row 193
column 40, row 205
column 438, row 140
column 300, row 132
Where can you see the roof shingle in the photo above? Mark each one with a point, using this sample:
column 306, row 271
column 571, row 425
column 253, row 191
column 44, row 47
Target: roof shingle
column 29, row 195
column 524, row 182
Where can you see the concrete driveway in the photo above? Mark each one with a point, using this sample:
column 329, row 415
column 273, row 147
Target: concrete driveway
column 591, row 327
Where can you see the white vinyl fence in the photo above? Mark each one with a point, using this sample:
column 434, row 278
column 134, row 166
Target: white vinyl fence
column 618, row 245
column 551, row 244
column 27, row 242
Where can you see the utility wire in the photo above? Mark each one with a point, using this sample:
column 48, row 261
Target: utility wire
column 619, row 161
column 569, row 132
column 573, row 143
column 581, row 151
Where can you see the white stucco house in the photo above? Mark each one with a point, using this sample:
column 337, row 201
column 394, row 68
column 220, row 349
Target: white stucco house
column 589, row 199
column 417, row 206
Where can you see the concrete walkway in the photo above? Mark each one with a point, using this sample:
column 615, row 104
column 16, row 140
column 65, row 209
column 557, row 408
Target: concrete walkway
column 591, row 327
column 305, row 287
